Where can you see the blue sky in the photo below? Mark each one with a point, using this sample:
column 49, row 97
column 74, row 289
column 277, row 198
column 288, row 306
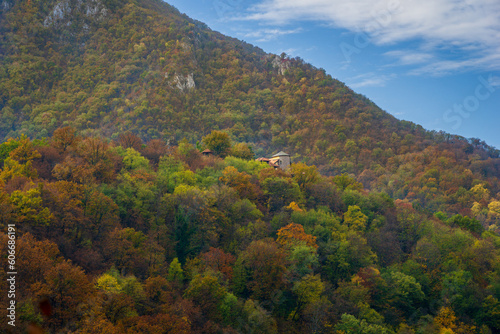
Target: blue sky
column 432, row 62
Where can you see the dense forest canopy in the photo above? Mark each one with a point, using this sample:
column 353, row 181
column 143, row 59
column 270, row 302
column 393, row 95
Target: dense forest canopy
column 106, row 67
column 123, row 226
column 130, row 236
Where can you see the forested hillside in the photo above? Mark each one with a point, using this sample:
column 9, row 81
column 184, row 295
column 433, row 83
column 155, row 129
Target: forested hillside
column 132, row 237
column 106, row 67
column 123, row 226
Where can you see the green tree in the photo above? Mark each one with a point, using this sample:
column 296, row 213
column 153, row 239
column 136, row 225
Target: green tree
column 29, row 209
column 133, row 160
column 491, row 312
column 309, row 289
column 344, row 181
column 303, row 260
column 206, row 291
column 461, row 292
column 355, row 219
column 175, row 272
column 349, row 324
column 230, row 309
column 404, row 292
column 346, row 254
column 218, row 142
column 242, row 151
column 305, row 175
column 21, row 152
column 281, row 192
column 466, row 223
column 258, row 320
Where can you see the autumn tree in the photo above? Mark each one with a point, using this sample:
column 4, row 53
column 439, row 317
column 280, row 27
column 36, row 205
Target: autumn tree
column 154, row 150
column 156, row 324
column 293, row 235
column 241, row 182
column 259, row 270
column 217, row 260
column 126, row 248
column 447, row 322
column 64, row 138
column 130, row 140
column 66, row 286
column 95, row 153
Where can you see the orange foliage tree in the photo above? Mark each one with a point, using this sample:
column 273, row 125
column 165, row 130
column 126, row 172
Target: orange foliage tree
column 294, row 234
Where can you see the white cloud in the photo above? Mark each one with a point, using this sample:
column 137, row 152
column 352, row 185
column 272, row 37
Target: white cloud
column 266, row 34
column 369, row 80
column 494, row 81
column 471, row 27
column 410, row 57
column 489, row 61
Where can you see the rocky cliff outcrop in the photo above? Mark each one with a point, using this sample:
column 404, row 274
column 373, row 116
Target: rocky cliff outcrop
column 66, row 11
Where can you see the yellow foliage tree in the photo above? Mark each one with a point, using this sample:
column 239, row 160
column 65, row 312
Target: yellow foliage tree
column 355, row 219
column 19, row 162
column 494, row 210
column 480, row 192
column 294, row 207
column 476, row 209
column 448, row 323
column 445, row 319
column 108, row 283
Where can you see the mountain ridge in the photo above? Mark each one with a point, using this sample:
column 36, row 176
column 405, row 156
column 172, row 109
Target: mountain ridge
column 113, row 66
column 110, row 232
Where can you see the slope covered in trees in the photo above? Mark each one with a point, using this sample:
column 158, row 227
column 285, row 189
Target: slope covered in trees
column 124, row 227
column 109, row 66
column 129, row 237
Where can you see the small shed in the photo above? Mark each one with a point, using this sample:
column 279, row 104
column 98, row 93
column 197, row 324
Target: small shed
column 207, row 152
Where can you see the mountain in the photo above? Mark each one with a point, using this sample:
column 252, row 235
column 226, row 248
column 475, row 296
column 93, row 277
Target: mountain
column 105, row 67
column 113, row 221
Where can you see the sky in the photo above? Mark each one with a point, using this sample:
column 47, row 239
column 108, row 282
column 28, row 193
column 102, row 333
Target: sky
column 433, row 62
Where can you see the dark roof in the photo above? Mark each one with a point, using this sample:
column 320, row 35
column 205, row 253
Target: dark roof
column 263, row 159
column 280, row 154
